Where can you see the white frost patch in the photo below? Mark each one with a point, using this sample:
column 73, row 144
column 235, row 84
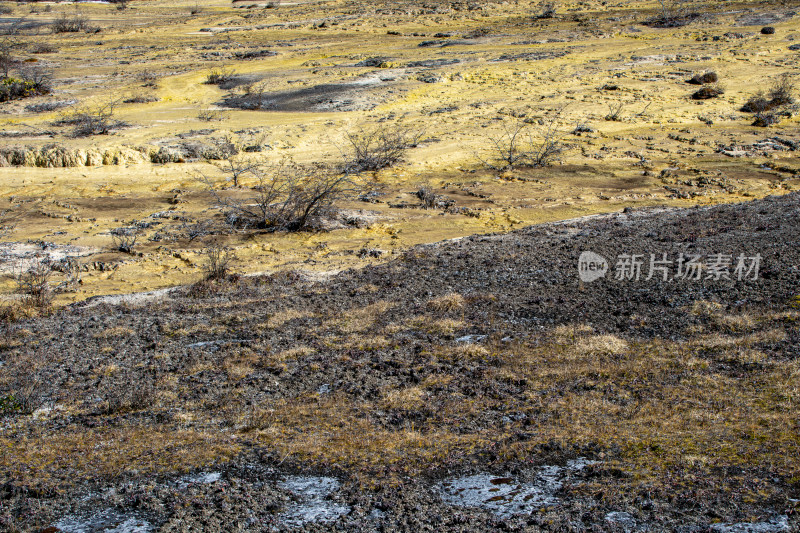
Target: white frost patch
column 201, row 477
column 108, row 521
column 470, row 339
column 131, row 299
column 776, row 524
column 505, row 496
column 314, row 505
column 20, row 256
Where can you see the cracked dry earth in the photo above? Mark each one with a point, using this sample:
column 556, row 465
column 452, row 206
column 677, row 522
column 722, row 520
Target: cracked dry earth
column 470, row 385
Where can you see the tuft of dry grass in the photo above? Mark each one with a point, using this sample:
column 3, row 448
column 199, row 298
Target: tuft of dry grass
column 282, row 317
column 447, row 303
column 463, row 352
column 601, row 345
column 409, row 398
column 444, row 327
column 361, row 319
column 43, row 460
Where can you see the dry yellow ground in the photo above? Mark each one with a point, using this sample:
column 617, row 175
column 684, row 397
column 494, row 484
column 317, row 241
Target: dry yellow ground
column 599, row 172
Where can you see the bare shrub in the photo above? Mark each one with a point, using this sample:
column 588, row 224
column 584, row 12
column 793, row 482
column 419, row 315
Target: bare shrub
column 234, row 155
column 35, row 283
column 285, row 197
column 382, row 146
column 217, row 262
column 125, row 238
column 545, row 10
column 220, row 75
column 149, row 78
column 72, row 24
column 253, row 94
column 196, row 230
column 758, row 103
column 517, row 146
column 776, row 103
column 44, row 48
column 140, row 98
column 615, row 111
column 782, row 91
column 673, row 14
column 91, row 120
column 210, row 115
column 427, row 196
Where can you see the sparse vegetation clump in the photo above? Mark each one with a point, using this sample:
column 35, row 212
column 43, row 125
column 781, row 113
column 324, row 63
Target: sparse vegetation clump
column 23, row 87
column 673, row 14
column 708, row 91
column 769, row 108
column 284, row 196
column 44, row 48
column 140, row 98
column 149, row 78
column 217, row 262
column 211, row 115
column 518, row 146
column 125, row 238
column 35, row 283
column 220, row 76
column 545, row 10
column 704, row 78
column 378, row 147
column 91, row 120
column 29, row 80
column 72, row 24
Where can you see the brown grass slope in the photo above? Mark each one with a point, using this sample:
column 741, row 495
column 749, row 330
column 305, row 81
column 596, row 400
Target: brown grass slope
column 685, row 392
